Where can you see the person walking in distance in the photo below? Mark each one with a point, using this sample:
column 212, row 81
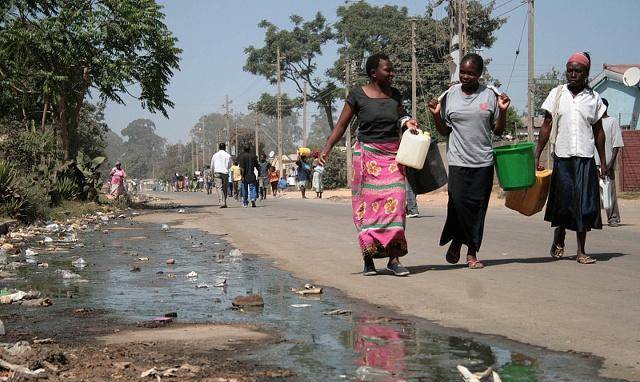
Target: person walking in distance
column 237, row 178
column 117, row 180
column 220, row 164
column 468, row 115
column 263, row 176
column 273, row 181
column 378, row 191
column 208, row 178
column 612, row 144
column 573, row 125
column 248, row 166
column 303, row 175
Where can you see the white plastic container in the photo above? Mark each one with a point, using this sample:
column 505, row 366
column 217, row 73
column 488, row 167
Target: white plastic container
column 605, row 193
column 413, row 149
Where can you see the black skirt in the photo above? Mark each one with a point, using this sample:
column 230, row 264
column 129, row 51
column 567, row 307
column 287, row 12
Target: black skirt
column 574, row 195
column 469, row 193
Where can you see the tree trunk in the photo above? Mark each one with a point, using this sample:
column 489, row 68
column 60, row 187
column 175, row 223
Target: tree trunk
column 328, row 109
column 44, row 116
column 64, row 129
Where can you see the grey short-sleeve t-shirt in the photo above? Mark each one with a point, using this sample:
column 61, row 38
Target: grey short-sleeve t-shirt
column 471, row 119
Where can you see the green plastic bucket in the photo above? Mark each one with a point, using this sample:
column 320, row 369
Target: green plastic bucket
column 515, row 165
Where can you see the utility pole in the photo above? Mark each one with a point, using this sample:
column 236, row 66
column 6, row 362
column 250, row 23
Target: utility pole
column 193, row 168
column 257, row 126
column 226, row 118
column 457, row 23
column 414, row 71
column 305, row 132
column 531, row 74
column 237, row 146
column 347, row 140
column 204, row 144
column 280, row 167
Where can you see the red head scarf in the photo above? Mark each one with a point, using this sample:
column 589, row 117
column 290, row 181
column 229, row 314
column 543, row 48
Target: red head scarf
column 580, row 58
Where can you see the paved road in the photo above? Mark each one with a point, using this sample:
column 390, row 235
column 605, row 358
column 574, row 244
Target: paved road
column 522, row 294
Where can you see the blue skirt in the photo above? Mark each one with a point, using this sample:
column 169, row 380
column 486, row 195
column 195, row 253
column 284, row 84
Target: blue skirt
column 574, row 195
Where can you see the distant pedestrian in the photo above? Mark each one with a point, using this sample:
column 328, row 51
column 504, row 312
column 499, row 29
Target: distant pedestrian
column 378, row 181
column 248, row 166
column 263, row 176
column 316, row 180
column 173, row 186
column 221, row 163
column 118, row 175
column 273, row 181
column 574, row 194
column 282, row 184
column 237, row 179
column 303, row 175
column 208, row 178
column 468, row 115
column 612, row 144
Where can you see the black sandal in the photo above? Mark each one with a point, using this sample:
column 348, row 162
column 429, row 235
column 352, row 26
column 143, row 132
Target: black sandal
column 556, row 251
column 452, row 258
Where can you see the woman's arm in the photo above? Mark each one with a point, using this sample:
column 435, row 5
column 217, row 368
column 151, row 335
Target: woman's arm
column 503, row 104
column 337, row 133
column 435, row 107
column 543, row 138
column 598, row 135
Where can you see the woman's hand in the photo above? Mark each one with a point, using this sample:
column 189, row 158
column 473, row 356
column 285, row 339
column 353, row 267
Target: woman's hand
column 324, row 156
column 434, row 106
column 540, row 166
column 603, row 170
column 412, row 125
column 504, row 102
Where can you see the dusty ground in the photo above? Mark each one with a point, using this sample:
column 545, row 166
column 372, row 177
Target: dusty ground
column 522, row 294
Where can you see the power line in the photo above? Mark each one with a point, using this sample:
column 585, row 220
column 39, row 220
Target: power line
column 517, row 51
column 510, row 10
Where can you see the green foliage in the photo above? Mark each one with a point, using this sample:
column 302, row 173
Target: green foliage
column 18, row 201
column 543, row 85
column 268, row 105
column 299, row 48
column 29, row 148
column 143, row 148
column 54, row 52
column 335, row 174
column 91, row 182
column 63, row 189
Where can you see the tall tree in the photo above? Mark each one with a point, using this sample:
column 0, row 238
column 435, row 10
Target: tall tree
column 56, row 52
column 299, row 48
column 143, row 147
column 543, row 85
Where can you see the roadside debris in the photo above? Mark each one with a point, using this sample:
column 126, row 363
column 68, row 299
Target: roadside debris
column 221, row 284
column 67, row 274
column 308, row 289
column 143, row 258
column 202, row 286
column 486, row 376
column 337, row 312
column 43, row 341
column 192, row 274
column 300, row 305
column 248, row 300
column 171, row 261
column 38, row 373
column 235, row 253
column 135, row 268
column 181, row 211
column 79, row 263
column 164, row 227
column 10, row 298
column 3, row 331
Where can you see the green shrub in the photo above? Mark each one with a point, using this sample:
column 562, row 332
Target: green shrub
column 335, row 173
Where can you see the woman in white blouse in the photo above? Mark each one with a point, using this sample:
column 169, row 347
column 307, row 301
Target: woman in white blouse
column 574, row 196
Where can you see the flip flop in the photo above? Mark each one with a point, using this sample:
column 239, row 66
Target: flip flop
column 556, row 251
column 584, row 259
column 475, row 264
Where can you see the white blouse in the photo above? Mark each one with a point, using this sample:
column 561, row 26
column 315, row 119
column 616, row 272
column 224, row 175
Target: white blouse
column 576, row 115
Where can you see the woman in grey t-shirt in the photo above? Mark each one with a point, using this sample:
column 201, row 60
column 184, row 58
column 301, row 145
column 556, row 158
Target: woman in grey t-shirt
column 468, row 115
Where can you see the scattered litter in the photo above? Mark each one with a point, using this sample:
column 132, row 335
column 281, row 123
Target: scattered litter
column 43, row 341
column 366, row 373
column 104, row 218
column 300, row 305
column 149, row 373
column 79, row 263
column 171, row 314
column 135, row 213
column 488, row 375
column 19, row 348
column 105, row 231
column 37, row 302
column 67, row 274
column 202, row 286
column 122, row 216
column 143, row 258
column 308, row 289
column 47, row 239
column 30, row 252
column 221, row 284
column 13, row 297
column 3, row 331
column 181, row 211
column 164, row 227
column 192, row 274
column 52, row 227
column 337, row 312
column 135, row 268
column 164, row 320
column 235, row 253
column 171, row 261
column 22, row 370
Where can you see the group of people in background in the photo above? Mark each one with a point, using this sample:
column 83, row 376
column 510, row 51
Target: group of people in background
column 469, row 114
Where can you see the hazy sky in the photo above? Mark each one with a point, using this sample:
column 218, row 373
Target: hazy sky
column 214, row 33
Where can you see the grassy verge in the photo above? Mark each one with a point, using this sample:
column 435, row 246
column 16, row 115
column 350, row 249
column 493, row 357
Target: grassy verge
column 71, row 209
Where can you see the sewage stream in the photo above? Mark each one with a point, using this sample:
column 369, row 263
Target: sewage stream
column 371, row 344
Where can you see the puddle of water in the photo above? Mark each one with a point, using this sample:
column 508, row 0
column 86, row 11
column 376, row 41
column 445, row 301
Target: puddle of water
column 370, row 345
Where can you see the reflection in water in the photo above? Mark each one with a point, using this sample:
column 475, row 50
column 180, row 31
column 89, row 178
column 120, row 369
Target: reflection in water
column 380, row 347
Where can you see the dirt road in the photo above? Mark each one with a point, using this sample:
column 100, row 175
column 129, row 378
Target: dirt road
column 522, row 294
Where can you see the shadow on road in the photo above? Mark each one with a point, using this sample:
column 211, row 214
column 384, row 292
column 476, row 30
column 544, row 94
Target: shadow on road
column 494, row 262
